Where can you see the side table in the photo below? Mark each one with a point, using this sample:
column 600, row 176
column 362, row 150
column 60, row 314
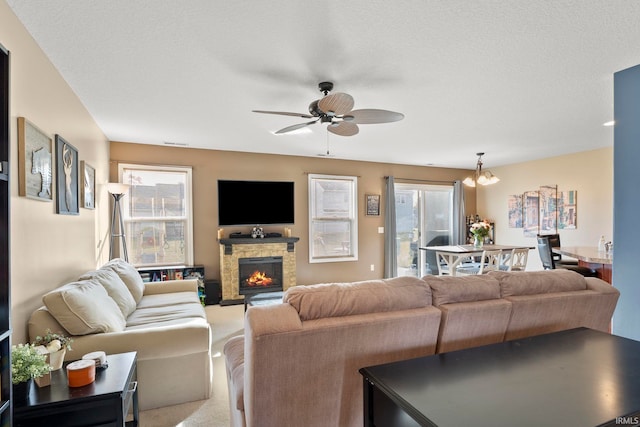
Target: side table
column 105, row 402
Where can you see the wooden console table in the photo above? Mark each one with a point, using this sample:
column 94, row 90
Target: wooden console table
column 579, row 377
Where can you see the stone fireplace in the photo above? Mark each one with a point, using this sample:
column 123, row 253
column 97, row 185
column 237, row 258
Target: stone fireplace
column 275, row 258
column 261, row 274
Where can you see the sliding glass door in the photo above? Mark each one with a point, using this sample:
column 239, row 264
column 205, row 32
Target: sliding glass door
column 424, row 217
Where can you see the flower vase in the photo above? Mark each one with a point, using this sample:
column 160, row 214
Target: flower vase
column 21, row 391
column 478, row 241
column 56, row 359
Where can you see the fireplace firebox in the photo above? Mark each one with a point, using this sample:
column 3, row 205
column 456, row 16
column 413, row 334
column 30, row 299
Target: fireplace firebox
column 260, row 274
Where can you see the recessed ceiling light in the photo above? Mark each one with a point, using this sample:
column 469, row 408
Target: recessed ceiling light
column 611, row 123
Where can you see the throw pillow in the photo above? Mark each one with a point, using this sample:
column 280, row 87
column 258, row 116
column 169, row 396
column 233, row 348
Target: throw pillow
column 129, row 276
column 83, row 308
column 115, row 287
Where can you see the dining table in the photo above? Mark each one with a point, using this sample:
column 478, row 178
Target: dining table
column 454, row 255
column 589, row 256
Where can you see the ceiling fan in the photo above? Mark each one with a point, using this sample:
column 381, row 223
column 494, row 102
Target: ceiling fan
column 337, row 110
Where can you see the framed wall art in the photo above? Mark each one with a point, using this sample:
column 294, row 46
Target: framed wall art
column 88, row 186
column 67, row 201
column 515, row 211
column 373, row 204
column 548, row 210
column 35, row 162
column 530, row 211
column 568, row 210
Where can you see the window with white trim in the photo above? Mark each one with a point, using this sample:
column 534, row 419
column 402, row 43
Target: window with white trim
column 157, row 212
column 333, row 218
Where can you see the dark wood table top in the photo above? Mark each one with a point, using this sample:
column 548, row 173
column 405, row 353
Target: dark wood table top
column 110, row 380
column 579, row 377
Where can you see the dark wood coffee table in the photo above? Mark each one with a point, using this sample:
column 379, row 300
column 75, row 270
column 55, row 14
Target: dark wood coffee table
column 579, row 377
column 105, row 402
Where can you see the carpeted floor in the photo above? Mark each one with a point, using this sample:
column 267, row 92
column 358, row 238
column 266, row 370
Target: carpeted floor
column 214, row 412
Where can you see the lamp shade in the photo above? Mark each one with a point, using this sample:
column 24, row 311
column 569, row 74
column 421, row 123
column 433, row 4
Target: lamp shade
column 117, row 188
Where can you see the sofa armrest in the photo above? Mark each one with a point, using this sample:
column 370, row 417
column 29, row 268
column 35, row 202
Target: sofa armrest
column 599, row 285
column 168, row 286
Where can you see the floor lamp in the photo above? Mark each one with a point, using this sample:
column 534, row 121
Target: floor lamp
column 117, row 190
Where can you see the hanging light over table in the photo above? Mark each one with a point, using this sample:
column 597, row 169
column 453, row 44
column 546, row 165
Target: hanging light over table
column 480, row 177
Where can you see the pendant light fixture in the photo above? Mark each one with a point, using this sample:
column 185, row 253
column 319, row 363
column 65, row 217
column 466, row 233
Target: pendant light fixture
column 480, row 177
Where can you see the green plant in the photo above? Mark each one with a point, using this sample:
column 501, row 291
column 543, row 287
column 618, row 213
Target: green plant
column 27, row 363
column 49, row 341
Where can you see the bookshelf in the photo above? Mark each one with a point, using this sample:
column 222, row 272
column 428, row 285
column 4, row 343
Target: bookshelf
column 5, row 285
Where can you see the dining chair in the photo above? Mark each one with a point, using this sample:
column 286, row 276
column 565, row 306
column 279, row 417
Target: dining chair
column 446, row 260
column 489, row 261
column 554, row 241
column 548, row 263
column 514, row 260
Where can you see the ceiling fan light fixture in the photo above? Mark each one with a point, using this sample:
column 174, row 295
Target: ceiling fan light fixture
column 339, row 107
column 480, row 177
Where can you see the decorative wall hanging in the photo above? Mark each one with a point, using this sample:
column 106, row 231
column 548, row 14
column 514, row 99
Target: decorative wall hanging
column 66, row 178
column 568, row 210
column 530, row 202
column 35, row 162
column 548, row 209
column 88, row 186
column 544, row 211
column 373, row 204
column 515, row 211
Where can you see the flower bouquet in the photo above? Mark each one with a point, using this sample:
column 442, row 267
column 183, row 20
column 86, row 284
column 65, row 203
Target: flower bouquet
column 480, row 231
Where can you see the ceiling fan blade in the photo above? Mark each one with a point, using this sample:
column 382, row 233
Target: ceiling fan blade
column 294, row 127
column 338, row 103
column 285, row 113
column 343, row 128
column 372, row 115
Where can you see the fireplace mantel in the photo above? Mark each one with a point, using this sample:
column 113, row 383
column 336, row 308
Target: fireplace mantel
column 228, row 243
column 232, row 249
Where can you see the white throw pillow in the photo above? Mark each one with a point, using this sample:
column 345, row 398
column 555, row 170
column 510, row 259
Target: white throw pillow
column 83, row 308
column 129, row 276
column 115, row 287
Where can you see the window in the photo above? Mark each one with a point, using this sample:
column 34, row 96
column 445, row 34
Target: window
column 157, row 214
column 333, row 224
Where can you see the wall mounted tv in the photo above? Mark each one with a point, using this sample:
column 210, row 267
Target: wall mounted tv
column 255, row 202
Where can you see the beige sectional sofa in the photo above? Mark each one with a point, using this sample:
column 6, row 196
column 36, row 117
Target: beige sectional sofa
column 297, row 362
column 112, row 310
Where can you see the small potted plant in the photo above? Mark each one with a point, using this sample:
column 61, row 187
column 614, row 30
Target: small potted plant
column 27, row 364
column 54, row 346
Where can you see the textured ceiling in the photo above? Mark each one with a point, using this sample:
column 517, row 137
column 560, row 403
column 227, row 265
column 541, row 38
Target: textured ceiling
column 518, row 80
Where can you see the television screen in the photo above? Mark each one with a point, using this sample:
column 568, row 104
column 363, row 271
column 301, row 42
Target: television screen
column 255, row 202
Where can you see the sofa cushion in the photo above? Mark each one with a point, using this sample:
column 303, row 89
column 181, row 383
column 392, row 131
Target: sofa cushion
column 129, row 276
column 115, row 287
column 171, row 299
column 539, row 282
column 346, row 299
column 84, row 307
column 157, row 315
column 456, row 289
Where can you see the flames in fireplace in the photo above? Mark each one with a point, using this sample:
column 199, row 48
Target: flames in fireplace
column 259, row 278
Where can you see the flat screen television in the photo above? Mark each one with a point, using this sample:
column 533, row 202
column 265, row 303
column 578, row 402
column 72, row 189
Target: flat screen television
column 255, row 202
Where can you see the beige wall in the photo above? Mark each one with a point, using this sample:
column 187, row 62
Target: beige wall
column 590, row 173
column 209, row 166
column 47, row 249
